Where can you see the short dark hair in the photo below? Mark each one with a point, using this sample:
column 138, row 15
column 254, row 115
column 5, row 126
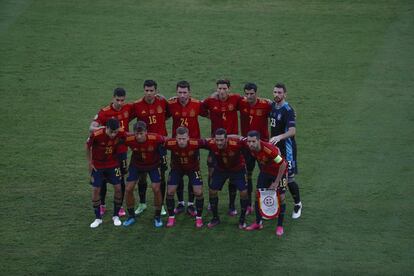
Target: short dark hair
column 150, row 83
column 221, row 131
column 182, row 130
column 119, row 92
column 250, row 86
column 112, row 124
column 140, row 126
column 254, row 133
column 281, row 85
column 227, row 82
column 183, row 84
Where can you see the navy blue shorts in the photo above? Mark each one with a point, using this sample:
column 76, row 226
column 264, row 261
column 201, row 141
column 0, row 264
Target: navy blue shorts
column 134, row 174
column 238, row 179
column 175, row 177
column 111, row 175
column 264, row 180
column 123, row 162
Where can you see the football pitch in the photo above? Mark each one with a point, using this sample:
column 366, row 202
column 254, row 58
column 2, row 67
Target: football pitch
column 348, row 67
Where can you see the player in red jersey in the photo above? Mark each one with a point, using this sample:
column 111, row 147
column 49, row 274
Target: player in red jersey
column 145, row 159
column 223, row 114
column 122, row 111
column 101, row 153
column 184, row 111
column 229, row 165
column 152, row 109
column 254, row 113
column 185, row 160
column 273, row 175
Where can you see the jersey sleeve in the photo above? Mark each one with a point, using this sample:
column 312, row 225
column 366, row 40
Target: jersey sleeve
column 100, row 118
column 203, row 110
column 89, row 141
column 291, row 118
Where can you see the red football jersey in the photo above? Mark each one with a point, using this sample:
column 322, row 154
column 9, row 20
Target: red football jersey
column 266, row 158
column 154, row 115
column 223, row 114
column 145, row 155
column 124, row 115
column 230, row 158
column 186, row 115
column 185, row 159
column 255, row 117
column 105, row 149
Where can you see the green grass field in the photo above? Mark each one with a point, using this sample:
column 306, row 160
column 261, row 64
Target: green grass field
column 348, row 66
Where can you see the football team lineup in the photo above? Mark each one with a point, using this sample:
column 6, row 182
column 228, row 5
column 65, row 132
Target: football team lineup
column 231, row 157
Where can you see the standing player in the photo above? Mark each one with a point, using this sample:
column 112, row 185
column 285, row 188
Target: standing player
column 184, row 111
column 272, row 176
column 185, row 160
column 145, row 159
column 283, row 130
column 101, row 148
column 254, row 112
column 120, row 110
column 223, row 114
column 229, row 165
column 152, row 109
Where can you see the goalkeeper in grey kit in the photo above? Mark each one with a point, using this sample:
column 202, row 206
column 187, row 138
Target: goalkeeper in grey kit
column 282, row 131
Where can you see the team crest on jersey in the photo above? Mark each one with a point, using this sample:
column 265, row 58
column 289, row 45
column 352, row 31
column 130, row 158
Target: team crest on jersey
column 192, row 113
column 215, row 108
column 259, row 112
column 143, row 112
column 279, row 116
column 231, row 107
column 126, row 114
column 159, row 109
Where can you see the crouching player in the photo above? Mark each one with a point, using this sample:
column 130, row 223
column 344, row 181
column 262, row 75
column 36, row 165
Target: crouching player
column 230, row 165
column 272, row 175
column 145, row 159
column 185, row 160
column 101, row 152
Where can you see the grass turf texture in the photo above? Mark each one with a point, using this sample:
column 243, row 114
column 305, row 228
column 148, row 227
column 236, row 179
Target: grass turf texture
column 348, row 68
